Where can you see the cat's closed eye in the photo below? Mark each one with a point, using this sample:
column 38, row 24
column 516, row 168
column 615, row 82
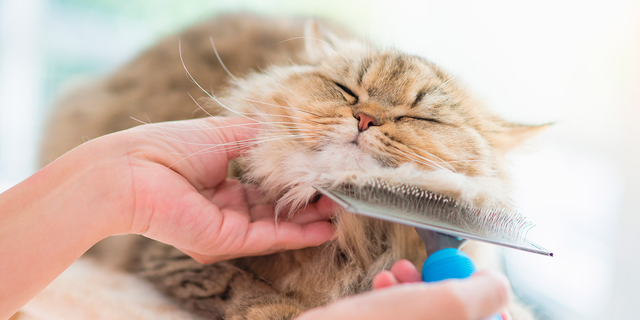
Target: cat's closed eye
column 348, row 95
column 400, row 118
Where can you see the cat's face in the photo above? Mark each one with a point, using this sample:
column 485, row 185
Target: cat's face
column 387, row 108
column 357, row 112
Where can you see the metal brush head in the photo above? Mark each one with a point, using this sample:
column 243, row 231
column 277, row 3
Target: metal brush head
column 420, row 208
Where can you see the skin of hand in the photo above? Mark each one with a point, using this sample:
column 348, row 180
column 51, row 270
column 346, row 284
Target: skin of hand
column 193, row 205
column 400, row 294
column 403, row 271
column 165, row 181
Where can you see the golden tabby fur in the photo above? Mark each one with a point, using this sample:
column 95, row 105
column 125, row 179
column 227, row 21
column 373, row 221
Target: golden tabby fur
column 307, row 89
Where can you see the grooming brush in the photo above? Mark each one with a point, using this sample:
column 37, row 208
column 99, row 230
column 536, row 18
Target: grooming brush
column 443, row 224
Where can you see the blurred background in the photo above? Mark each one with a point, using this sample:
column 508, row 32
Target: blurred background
column 575, row 63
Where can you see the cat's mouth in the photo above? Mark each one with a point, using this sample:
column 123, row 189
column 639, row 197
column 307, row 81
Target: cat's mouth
column 364, row 143
column 355, row 140
column 360, row 145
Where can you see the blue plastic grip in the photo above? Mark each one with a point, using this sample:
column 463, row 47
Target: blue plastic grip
column 449, row 263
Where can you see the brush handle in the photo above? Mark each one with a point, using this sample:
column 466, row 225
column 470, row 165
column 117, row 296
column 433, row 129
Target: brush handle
column 449, row 263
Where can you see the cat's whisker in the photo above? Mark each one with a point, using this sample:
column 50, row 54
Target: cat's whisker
column 282, row 115
column 294, row 107
column 199, row 106
column 224, row 147
column 270, row 123
column 172, row 165
column 433, row 155
column 450, row 167
column 204, row 144
column 277, row 127
column 430, row 165
column 236, row 142
column 427, row 164
column 167, row 127
column 469, row 160
column 279, row 106
column 222, row 63
column 186, row 142
column 433, row 163
column 205, row 91
column 200, row 87
column 142, row 122
column 410, row 154
column 262, row 122
column 240, row 146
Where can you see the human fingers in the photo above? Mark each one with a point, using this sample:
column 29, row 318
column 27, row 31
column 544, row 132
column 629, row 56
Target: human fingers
column 269, row 236
column 470, row 299
column 321, row 210
column 257, row 238
column 403, row 271
column 318, row 211
column 233, row 195
column 384, row 279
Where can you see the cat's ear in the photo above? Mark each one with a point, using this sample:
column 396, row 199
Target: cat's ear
column 319, row 42
column 507, row 135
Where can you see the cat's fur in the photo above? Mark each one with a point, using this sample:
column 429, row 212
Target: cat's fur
column 306, row 89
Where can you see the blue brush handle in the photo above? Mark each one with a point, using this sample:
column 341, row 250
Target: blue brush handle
column 449, row 263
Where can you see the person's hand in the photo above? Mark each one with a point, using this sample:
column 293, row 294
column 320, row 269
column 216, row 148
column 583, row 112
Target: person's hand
column 182, row 195
column 403, row 271
column 166, row 181
column 478, row 297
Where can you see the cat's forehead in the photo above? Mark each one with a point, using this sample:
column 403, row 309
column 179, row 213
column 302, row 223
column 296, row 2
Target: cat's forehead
column 393, row 77
column 392, row 66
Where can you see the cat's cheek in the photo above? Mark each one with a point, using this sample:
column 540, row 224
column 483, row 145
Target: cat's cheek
column 310, row 141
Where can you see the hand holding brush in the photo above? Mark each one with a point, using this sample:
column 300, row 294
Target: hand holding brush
column 482, row 295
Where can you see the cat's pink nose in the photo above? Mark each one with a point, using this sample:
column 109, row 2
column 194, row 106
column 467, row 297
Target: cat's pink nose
column 365, row 121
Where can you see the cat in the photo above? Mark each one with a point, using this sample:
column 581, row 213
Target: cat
column 333, row 109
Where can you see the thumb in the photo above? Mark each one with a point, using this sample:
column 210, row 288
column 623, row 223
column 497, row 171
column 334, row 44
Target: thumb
column 483, row 295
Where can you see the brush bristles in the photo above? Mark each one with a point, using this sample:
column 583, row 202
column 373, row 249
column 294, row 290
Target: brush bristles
column 420, row 204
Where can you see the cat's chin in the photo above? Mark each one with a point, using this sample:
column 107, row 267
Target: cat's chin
column 347, row 156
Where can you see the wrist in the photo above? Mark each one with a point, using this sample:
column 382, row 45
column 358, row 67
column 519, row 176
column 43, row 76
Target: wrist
column 91, row 185
column 50, row 219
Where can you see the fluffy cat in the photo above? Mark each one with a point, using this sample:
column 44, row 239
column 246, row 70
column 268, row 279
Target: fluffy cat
column 333, row 109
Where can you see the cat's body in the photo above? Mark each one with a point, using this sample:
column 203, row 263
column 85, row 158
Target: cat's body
column 315, row 91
